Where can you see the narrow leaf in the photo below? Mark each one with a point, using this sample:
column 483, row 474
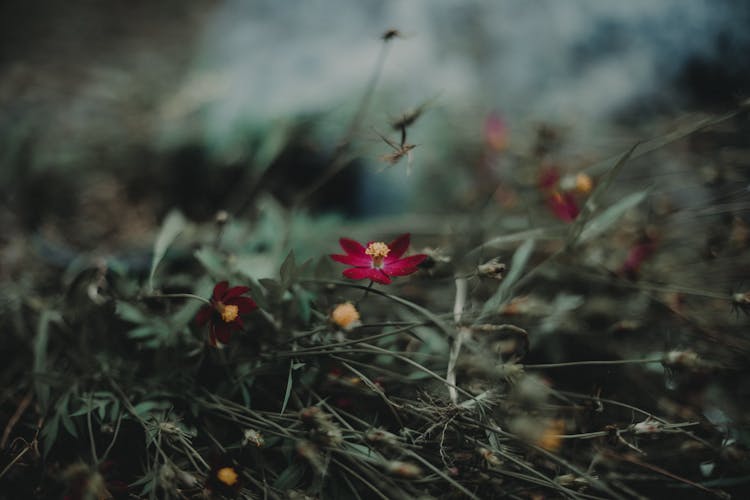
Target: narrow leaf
column 517, row 266
column 288, row 269
column 595, row 199
column 173, row 225
column 611, row 215
column 288, row 387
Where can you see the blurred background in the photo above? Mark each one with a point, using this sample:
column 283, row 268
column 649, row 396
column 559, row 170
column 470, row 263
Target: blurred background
column 112, row 113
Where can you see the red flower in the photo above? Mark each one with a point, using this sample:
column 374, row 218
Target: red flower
column 495, row 131
column 637, row 255
column 563, row 205
column 223, row 313
column 378, row 261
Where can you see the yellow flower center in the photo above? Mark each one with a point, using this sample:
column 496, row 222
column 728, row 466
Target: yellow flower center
column 378, row 251
column 345, row 316
column 227, row 475
column 228, row 312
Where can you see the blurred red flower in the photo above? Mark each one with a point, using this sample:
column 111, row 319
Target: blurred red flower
column 223, row 313
column 378, row 261
column 637, row 255
column 563, row 205
column 496, row 131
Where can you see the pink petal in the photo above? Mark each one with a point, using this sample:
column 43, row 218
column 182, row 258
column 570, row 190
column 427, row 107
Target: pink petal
column 244, row 304
column 357, row 273
column 219, row 290
column 353, row 260
column 235, row 292
column 398, row 247
column 378, row 276
column 351, row 247
column 404, row 266
column 204, row 314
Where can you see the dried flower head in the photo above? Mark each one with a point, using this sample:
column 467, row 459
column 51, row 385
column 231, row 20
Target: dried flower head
column 390, row 34
column 648, row 426
column 492, row 269
column 406, row 470
column 488, row 456
column 251, row 436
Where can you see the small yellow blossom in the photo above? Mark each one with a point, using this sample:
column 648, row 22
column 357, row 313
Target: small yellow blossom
column 345, row 316
column 227, row 475
column 550, row 439
column 584, row 184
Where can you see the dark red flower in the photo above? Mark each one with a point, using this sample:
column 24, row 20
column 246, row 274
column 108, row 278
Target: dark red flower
column 549, row 177
column 223, row 314
column 563, row 205
column 637, row 255
column 378, row 261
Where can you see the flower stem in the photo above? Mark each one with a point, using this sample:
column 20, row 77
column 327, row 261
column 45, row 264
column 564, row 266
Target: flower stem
column 177, row 296
column 367, row 291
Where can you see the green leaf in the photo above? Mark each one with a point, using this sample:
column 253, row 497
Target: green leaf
column 290, row 477
column 49, row 433
column 173, row 225
column 41, row 342
column 257, row 293
column 611, row 215
column 62, row 411
column 130, row 313
column 288, row 392
column 517, row 266
column 144, row 408
column 323, row 268
column 273, row 286
column 141, row 332
column 595, row 199
column 288, row 270
column 212, row 261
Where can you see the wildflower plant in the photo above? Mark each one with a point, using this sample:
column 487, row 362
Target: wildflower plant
column 502, row 365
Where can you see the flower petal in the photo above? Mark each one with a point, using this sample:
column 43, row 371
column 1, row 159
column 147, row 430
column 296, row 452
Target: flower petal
column 234, row 292
column 378, row 276
column 398, row 247
column 564, row 206
column 221, row 332
column 358, row 273
column 351, row 247
column 219, row 290
column 244, row 304
column 353, row 260
column 404, row 266
column 203, row 315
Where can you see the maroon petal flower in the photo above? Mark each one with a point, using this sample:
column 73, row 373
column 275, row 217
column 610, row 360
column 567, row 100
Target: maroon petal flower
column 223, row 312
column 378, row 261
column 564, row 206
